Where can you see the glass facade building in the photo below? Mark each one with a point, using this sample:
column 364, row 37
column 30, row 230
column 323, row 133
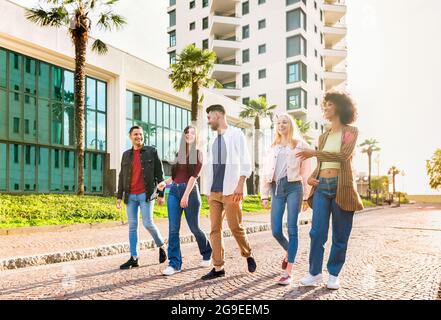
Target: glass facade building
column 37, row 127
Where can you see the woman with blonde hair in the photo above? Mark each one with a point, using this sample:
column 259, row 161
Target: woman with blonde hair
column 285, row 177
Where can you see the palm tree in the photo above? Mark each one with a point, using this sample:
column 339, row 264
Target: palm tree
column 192, row 71
column 75, row 14
column 369, row 147
column 257, row 109
column 304, row 129
column 393, row 171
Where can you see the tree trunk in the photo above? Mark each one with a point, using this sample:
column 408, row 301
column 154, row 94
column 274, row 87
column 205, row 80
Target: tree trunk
column 369, row 176
column 80, row 42
column 393, row 183
column 194, row 102
column 256, row 153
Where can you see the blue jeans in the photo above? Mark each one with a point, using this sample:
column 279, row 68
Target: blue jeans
column 192, row 216
column 139, row 201
column 323, row 207
column 288, row 194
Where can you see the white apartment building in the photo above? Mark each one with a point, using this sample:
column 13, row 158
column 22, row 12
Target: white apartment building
column 290, row 51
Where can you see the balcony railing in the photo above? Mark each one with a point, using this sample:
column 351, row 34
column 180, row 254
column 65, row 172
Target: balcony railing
column 233, row 38
column 227, row 62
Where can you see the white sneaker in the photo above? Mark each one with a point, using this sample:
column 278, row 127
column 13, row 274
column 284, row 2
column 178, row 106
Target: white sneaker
column 206, row 263
column 333, row 283
column 169, row 271
column 311, row 281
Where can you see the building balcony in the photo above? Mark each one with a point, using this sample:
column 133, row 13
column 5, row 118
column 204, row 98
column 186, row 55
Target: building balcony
column 333, row 13
column 225, row 47
column 229, row 92
column 334, row 78
column 334, row 34
column 224, row 25
column 333, row 57
column 222, row 72
column 171, row 8
column 298, row 112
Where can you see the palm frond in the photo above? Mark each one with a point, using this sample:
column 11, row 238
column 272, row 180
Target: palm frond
column 99, row 47
column 54, row 17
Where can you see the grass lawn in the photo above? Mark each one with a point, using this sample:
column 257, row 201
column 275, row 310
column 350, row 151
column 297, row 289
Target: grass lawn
column 44, row 210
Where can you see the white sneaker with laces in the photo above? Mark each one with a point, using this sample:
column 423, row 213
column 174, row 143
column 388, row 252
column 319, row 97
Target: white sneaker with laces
column 169, row 271
column 333, row 283
column 311, row 281
column 205, row 263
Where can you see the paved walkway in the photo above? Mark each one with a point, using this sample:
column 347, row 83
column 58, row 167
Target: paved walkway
column 62, row 240
column 393, row 254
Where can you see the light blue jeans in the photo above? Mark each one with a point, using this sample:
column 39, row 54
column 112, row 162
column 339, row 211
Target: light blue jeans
column 289, row 194
column 136, row 202
column 323, row 207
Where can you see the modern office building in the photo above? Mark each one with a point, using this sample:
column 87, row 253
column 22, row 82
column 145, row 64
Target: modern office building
column 290, row 51
column 37, row 132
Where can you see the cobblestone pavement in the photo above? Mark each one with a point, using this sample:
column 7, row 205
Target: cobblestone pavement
column 393, row 254
column 65, row 240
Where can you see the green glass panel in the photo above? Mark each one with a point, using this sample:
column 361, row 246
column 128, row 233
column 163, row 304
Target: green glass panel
column 43, row 121
column 91, row 130
column 43, row 80
column 97, row 173
column 29, row 168
column 166, row 145
column 15, row 116
column 152, row 111
column 101, row 96
column 69, row 172
column 129, row 124
column 30, row 72
column 4, row 115
column 57, row 81
column 15, row 172
column 101, row 132
column 43, row 170
column 3, row 68
column 136, row 107
column 30, row 119
column 57, row 122
column 91, row 93
column 159, row 142
column 145, row 109
column 69, row 126
column 2, row 167
column 68, row 87
column 166, row 114
column 178, row 119
column 159, row 113
column 55, row 173
column 173, row 118
column 15, row 74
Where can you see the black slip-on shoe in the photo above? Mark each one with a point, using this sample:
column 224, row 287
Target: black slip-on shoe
column 214, row 274
column 252, row 266
column 131, row 263
column 162, row 255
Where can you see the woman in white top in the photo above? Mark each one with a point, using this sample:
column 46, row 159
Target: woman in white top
column 285, row 176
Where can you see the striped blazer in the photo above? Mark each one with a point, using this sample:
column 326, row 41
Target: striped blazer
column 347, row 196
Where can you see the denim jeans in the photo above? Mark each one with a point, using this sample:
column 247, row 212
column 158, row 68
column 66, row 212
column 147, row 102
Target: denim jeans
column 289, row 194
column 135, row 202
column 323, row 207
column 192, row 216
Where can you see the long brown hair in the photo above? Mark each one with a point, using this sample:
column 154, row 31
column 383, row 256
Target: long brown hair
column 188, row 154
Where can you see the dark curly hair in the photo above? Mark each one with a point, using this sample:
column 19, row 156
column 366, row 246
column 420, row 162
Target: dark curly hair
column 344, row 105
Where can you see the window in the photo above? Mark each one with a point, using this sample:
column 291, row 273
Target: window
column 172, row 3
column 204, row 3
column 205, row 44
column 245, row 8
column 261, row 2
column 245, row 32
column 262, row 74
column 262, row 49
column 316, row 126
column 315, row 29
column 205, row 23
column 297, row 72
column 245, row 101
column 262, row 24
column 296, row 99
column 316, row 101
column 290, row 2
column 245, row 80
column 172, row 18
column 172, row 39
column 295, row 19
column 296, row 45
column 3, row 56
column 316, row 53
column 315, row 5
column 316, row 77
column 246, row 56
column 192, row 4
column 192, row 25
column 172, row 57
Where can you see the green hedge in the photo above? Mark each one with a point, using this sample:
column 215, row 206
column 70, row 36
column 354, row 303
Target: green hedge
column 38, row 210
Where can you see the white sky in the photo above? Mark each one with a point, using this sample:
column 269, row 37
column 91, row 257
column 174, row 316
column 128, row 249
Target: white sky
column 394, row 63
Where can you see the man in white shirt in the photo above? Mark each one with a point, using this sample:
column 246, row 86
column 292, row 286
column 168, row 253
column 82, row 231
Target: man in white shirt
column 227, row 167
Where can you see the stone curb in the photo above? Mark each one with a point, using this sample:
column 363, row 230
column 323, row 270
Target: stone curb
column 107, row 250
